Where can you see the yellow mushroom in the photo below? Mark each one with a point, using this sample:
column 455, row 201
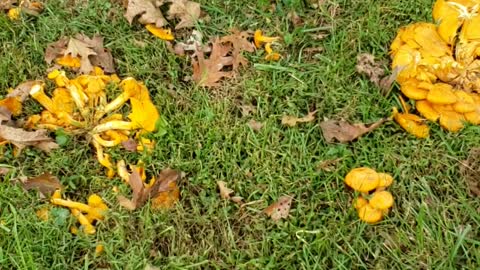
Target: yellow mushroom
column 69, row 61
column 82, row 219
column 259, row 39
column 369, row 214
column 103, row 159
column 362, row 179
column 426, row 109
column 442, row 94
column 360, row 202
column 381, row 200
column 385, row 181
column 162, row 33
column 37, row 93
column 14, row 13
column 130, row 88
column 271, row 55
column 122, row 171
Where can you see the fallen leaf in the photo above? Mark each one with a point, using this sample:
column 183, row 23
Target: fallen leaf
column 187, row 11
column 7, row 4
column 45, row 183
column 147, row 10
column 470, row 170
column 224, row 190
column 130, row 145
column 22, row 91
column 207, row 72
column 5, row 114
column 239, row 41
column 345, row 132
column 293, row 121
column 295, row 19
column 328, row 165
column 279, row 209
column 90, row 51
column 386, row 82
column 191, row 45
column 255, row 125
column 31, row 7
column 22, row 138
column 165, row 183
column 366, row 65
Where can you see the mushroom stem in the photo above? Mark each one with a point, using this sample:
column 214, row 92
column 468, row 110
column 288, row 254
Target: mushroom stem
column 103, row 159
column 259, row 38
column 79, row 98
column 37, row 93
column 72, row 205
column 105, row 143
column 115, row 124
column 122, row 171
column 87, row 226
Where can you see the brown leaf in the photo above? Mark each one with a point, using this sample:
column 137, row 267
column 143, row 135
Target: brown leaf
column 130, row 145
column 366, row 65
column 22, row 138
column 293, row 121
column 22, row 91
column 255, row 125
column 7, row 4
column 470, row 170
column 5, row 114
column 79, row 48
column 207, row 72
column 344, row 132
column 32, row 7
column 55, row 49
column 191, row 45
column 295, row 19
column 187, row 11
column 279, row 209
column 147, row 10
column 224, row 190
column 328, row 165
column 45, row 183
column 239, row 41
column 386, row 82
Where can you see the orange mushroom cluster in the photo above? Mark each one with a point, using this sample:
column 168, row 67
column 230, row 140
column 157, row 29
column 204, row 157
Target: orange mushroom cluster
column 81, row 106
column 439, row 67
column 86, row 214
column 261, row 40
column 371, row 207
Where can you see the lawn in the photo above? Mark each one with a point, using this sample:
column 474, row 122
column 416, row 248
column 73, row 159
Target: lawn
column 434, row 224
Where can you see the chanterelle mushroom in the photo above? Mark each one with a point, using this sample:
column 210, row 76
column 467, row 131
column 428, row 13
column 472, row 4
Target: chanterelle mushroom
column 362, row 179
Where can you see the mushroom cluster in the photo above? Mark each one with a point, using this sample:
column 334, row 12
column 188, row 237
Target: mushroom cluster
column 438, row 66
column 371, row 207
column 86, row 214
column 80, row 106
column 259, row 40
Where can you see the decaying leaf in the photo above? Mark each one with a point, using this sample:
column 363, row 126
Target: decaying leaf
column 186, row 11
column 293, row 121
column 30, row 7
column 470, row 170
column 255, row 125
column 148, row 12
column 22, row 90
column 328, row 165
column 239, row 41
column 367, row 65
column 22, row 138
column 295, row 19
column 279, row 209
column 207, row 72
column 45, row 183
column 130, row 145
column 89, row 51
column 191, row 45
column 345, row 132
column 165, row 183
column 7, row 4
column 5, row 114
column 224, row 190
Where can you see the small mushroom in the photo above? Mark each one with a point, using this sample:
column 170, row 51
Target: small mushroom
column 362, row 179
column 82, row 219
column 381, row 200
column 369, row 214
column 385, row 181
column 162, row 33
column 259, row 39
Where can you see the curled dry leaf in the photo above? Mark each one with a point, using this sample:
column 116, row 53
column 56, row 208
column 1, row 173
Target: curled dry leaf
column 293, row 121
column 45, row 183
column 186, row 11
column 148, row 12
column 470, row 170
column 224, row 190
column 279, row 209
column 90, row 52
column 345, row 132
column 22, row 138
column 207, row 72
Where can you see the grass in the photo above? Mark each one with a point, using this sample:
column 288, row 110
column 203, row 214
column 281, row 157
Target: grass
column 435, row 223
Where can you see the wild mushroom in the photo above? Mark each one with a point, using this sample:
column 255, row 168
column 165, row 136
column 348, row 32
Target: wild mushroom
column 385, row 181
column 362, row 179
column 82, row 219
column 271, row 55
column 369, row 214
column 381, row 200
column 162, row 33
column 259, row 39
column 412, row 123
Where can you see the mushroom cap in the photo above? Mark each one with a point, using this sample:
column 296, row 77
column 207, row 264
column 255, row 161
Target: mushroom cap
column 360, row 202
column 370, row 214
column 381, row 200
column 362, row 179
column 385, row 180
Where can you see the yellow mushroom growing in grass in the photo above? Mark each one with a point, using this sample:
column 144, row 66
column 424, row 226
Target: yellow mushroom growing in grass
column 259, row 39
column 371, row 208
column 80, row 106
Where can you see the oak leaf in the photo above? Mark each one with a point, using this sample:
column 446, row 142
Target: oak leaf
column 45, row 183
column 293, row 121
column 343, row 131
column 22, row 138
column 187, row 11
column 280, row 209
column 22, row 90
column 207, row 72
column 240, row 43
column 147, row 10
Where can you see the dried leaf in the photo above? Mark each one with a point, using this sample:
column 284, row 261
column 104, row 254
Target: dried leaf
column 344, row 132
column 191, row 45
column 367, row 65
column 22, row 90
column 279, row 209
column 224, row 190
column 31, row 7
column 147, row 10
column 328, row 165
column 293, row 121
column 5, row 114
column 22, row 138
column 187, row 11
column 239, row 41
column 295, row 19
column 7, row 4
column 45, row 183
column 470, row 170
column 207, row 72
column 130, row 145
column 255, row 125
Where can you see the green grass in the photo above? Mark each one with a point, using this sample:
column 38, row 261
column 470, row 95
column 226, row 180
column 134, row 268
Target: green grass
column 434, row 224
